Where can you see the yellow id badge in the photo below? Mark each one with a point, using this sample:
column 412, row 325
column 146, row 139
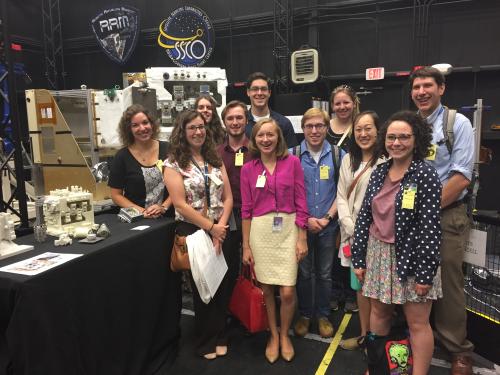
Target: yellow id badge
column 238, row 159
column 323, row 172
column 409, row 193
column 261, row 181
column 159, row 165
column 432, row 152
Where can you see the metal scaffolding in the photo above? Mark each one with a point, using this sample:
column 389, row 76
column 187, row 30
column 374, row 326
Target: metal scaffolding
column 53, row 45
column 283, row 35
column 16, row 154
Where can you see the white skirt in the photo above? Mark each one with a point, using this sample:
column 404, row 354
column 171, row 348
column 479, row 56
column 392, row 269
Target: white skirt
column 274, row 252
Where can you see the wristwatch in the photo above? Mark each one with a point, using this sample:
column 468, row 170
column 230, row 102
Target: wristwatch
column 328, row 217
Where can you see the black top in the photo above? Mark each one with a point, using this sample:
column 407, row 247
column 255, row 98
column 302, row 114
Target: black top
column 141, row 184
column 283, row 122
column 334, row 138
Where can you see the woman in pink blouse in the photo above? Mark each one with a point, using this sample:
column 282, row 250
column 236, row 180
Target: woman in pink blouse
column 274, row 219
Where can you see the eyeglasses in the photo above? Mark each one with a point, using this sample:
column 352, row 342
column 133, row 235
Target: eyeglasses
column 259, row 88
column 403, row 138
column 194, row 128
column 314, row 126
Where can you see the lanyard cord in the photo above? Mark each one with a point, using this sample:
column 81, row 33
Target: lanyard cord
column 205, row 177
column 275, row 183
column 275, row 187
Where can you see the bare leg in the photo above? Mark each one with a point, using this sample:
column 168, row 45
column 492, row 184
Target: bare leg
column 274, row 342
column 287, row 295
column 421, row 337
column 364, row 312
column 380, row 317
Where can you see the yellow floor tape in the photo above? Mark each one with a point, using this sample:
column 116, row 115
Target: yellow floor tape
column 325, row 362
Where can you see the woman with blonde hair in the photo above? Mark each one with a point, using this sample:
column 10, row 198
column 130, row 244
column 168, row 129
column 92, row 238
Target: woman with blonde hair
column 274, row 221
column 345, row 106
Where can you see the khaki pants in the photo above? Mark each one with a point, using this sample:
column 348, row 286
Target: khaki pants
column 450, row 317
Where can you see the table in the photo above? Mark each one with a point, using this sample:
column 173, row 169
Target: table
column 115, row 310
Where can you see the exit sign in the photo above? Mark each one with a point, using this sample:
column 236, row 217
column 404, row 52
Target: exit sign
column 373, row 74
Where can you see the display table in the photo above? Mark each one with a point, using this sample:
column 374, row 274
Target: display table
column 113, row 311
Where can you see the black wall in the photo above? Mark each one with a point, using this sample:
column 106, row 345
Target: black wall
column 350, row 36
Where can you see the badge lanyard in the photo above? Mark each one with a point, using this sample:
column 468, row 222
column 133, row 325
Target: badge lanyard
column 277, row 220
column 205, row 177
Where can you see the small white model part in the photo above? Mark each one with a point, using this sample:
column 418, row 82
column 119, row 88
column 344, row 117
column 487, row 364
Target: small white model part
column 66, row 209
column 63, row 240
column 7, row 234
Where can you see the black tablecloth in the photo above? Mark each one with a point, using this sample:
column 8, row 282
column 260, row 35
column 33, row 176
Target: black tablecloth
column 115, row 310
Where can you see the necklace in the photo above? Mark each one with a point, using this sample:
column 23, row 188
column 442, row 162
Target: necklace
column 143, row 155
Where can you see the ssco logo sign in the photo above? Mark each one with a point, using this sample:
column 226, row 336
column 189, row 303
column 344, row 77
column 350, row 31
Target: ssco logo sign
column 187, row 36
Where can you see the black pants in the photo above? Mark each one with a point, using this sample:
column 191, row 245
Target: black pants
column 341, row 281
column 210, row 319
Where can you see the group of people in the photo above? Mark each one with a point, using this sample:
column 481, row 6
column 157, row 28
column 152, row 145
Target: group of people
column 374, row 212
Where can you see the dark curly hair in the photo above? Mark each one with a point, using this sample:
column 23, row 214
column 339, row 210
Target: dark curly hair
column 124, row 132
column 355, row 152
column 180, row 150
column 215, row 125
column 422, row 133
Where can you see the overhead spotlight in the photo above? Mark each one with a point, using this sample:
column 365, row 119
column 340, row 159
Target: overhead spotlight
column 444, row 68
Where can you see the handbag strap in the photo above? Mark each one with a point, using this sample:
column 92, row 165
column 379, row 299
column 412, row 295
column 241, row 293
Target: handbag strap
column 248, row 272
column 353, row 184
column 344, row 136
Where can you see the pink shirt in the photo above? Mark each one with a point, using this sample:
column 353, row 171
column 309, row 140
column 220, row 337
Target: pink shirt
column 384, row 211
column 283, row 191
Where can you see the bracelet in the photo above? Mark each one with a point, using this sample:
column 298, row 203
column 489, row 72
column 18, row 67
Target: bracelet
column 212, row 227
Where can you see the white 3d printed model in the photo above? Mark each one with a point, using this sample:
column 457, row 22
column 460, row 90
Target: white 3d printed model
column 67, row 211
column 7, row 247
column 63, row 240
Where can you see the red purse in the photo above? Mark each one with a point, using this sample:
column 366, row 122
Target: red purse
column 247, row 302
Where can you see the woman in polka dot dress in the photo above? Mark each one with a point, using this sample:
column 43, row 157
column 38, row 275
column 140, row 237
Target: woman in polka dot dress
column 397, row 236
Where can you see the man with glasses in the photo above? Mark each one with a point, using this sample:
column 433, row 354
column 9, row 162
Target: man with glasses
column 259, row 93
column 454, row 164
column 321, row 190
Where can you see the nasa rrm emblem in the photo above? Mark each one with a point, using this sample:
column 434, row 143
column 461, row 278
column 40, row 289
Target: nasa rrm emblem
column 117, row 31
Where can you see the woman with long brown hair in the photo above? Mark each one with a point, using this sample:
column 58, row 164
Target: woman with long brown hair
column 199, row 187
column 207, row 106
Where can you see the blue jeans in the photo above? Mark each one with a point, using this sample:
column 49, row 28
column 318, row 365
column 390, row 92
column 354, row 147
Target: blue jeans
column 317, row 263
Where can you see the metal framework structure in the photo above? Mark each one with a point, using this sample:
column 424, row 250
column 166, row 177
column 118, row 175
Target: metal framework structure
column 283, row 36
column 53, row 45
column 16, row 153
